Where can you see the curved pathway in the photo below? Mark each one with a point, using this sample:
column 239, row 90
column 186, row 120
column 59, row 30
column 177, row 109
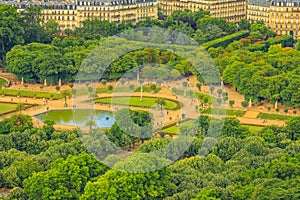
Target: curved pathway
column 160, row 120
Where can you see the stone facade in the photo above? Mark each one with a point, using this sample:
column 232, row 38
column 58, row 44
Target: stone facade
column 231, row 10
column 282, row 16
column 71, row 14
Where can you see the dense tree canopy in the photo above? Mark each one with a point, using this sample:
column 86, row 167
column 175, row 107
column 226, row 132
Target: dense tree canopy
column 10, row 30
column 44, row 164
column 271, row 75
column 40, row 163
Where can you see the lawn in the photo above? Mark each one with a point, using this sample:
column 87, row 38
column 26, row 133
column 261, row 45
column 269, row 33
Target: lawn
column 253, row 129
column 135, row 101
column 228, row 112
column 147, row 89
column 274, row 116
column 6, row 107
column 25, row 93
column 175, row 129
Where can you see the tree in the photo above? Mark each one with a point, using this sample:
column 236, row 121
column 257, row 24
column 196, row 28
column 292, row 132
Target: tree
column 162, row 102
column 103, row 81
column 153, row 87
column 65, row 94
column 141, row 81
column 219, row 101
column 31, row 21
column 219, row 91
column 198, row 85
column 226, row 147
column 57, row 88
column 32, row 62
column 110, row 88
column 295, row 112
column 96, row 29
column 157, row 181
column 175, row 74
column 231, row 103
column 211, row 89
column 293, row 128
column 16, row 193
column 91, row 123
column 131, row 126
column 298, row 46
column 131, row 87
column 20, row 107
column 244, row 104
column 122, row 81
column 16, row 123
column 65, row 179
column 51, row 28
column 244, row 24
column 11, row 32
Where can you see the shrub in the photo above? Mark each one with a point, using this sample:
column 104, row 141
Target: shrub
column 110, row 87
column 244, row 104
column 231, row 103
column 57, row 88
column 285, row 41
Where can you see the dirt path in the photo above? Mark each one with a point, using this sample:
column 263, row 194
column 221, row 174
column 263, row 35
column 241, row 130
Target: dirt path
column 167, row 116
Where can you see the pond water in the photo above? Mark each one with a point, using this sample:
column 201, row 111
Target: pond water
column 103, row 119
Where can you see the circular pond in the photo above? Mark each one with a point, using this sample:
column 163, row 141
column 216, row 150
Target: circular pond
column 103, row 119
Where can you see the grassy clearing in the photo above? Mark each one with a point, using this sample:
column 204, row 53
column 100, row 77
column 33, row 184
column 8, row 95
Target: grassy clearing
column 7, row 107
column 175, row 129
column 101, row 90
column 135, row 101
column 253, row 129
column 274, row 116
column 228, row 112
column 24, row 93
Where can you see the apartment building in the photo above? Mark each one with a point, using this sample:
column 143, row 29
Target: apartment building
column 282, row 16
column 71, row 14
column 259, row 10
column 116, row 10
column 231, row 10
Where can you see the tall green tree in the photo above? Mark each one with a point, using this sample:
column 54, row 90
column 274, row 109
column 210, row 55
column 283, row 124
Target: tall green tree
column 11, row 32
column 31, row 21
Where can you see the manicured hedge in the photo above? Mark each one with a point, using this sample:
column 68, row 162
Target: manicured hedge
column 256, row 47
column 285, row 41
column 225, row 41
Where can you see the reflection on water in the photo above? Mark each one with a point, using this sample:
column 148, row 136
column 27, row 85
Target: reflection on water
column 103, row 119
